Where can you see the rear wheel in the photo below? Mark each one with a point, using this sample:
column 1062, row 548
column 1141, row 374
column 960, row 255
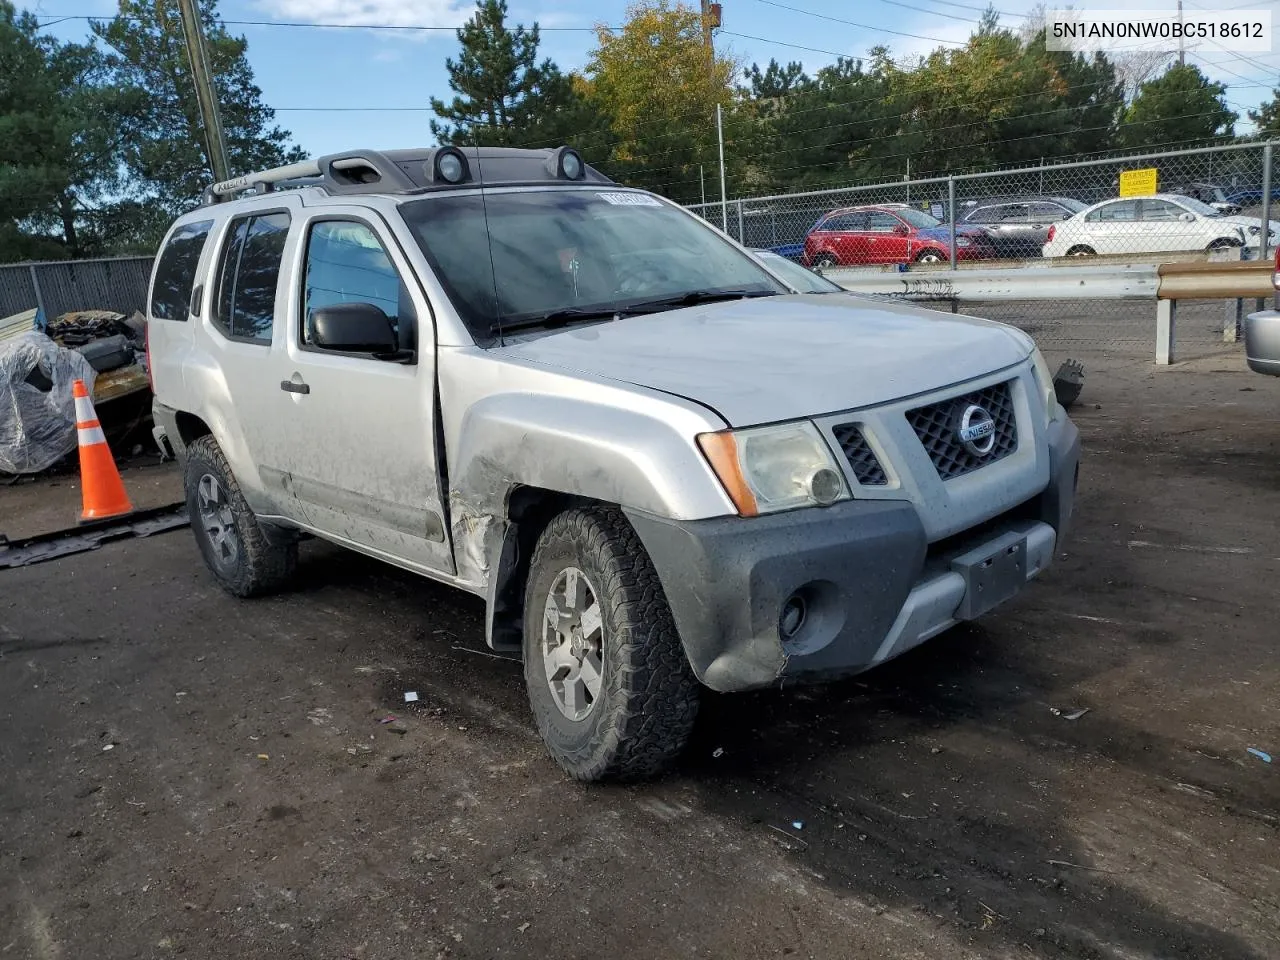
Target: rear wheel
column 824, row 260
column 611, row 690
column 930, row 256
column 1081, row 251
column 1224, row 243
column 234, row 545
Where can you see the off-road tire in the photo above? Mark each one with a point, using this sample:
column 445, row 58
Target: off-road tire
column 648, row 695
column 262, row 566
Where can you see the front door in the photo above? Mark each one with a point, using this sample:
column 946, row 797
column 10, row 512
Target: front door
column 358, row 452
column 887, row 238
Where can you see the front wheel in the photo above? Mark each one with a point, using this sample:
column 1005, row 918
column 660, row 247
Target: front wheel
column 824, row 261
column 612, row 693
column 929, row 256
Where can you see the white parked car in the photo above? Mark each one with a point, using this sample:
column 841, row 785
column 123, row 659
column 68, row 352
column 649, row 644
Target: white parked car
column 1156, row 224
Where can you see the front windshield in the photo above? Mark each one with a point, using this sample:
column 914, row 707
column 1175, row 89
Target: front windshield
column 520, row 255
column 918, row 218
column 800, row 277
column 1195, row 206
column 1075, row 206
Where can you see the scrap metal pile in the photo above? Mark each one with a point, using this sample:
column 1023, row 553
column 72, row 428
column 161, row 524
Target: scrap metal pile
column 39, row 361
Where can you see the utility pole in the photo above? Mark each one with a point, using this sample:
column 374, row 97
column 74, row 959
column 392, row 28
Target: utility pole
column 724, row 201
column 1182, row 45
column 206, row 96
column 710, row 20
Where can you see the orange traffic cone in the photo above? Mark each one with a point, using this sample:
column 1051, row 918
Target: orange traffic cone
column 102, row 490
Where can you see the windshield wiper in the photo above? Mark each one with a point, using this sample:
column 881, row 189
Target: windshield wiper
column 558, row 318
column 567, row 315
column 693, row 298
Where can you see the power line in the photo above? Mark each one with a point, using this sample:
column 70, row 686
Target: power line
column 932, row 13
column 851, row 23
column 319, row 26
column 961, row 6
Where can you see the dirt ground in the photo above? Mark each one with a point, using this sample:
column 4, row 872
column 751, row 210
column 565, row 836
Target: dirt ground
column 185, row 774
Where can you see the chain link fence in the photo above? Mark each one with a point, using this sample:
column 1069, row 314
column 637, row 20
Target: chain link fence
column 1202, row 204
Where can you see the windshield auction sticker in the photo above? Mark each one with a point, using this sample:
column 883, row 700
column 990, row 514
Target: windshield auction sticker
column 1159, row 28
column 630, row 199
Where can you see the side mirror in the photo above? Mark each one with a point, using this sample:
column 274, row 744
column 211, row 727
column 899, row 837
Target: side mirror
column 1188, row 218
column 353, row 328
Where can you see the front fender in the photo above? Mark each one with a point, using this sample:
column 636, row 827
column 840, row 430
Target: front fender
column 645, row 460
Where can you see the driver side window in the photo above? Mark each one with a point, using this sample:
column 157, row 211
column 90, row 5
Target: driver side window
column 346, row 263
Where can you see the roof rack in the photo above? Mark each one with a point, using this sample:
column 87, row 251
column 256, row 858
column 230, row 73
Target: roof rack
column 414, row 171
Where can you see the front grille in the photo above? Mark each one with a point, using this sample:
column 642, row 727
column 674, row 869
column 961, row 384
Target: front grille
column 860, row 455
column 938, row 427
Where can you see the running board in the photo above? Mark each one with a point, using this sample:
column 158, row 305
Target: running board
column 90, row 536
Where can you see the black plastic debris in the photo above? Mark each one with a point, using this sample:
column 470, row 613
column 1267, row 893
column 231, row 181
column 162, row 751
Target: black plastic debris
column 1068, row 382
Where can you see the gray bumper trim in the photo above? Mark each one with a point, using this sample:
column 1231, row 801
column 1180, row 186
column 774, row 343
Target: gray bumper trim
column 872, row 586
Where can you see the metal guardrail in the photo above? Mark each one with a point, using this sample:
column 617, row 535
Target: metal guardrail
column 1124, row 282
column 1232, row 282
column 1164, row 283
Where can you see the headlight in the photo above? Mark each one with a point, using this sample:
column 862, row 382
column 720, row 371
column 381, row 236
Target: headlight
column 767, row 469
column 1044, row 380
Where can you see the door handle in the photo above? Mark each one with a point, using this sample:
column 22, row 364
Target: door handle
column 290, row 387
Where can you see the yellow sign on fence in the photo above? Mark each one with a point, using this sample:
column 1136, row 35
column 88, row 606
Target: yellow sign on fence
column 1138, row 183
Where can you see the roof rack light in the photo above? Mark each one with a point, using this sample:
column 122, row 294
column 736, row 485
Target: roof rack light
column 447, row 165
column 565, row 163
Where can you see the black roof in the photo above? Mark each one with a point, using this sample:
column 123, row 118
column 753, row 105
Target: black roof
column 411, row 171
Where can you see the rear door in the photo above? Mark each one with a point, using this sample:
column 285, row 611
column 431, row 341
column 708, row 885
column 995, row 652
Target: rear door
column 1043, row 215
column 231, row 376
column 1114, row 228
column 357, row 447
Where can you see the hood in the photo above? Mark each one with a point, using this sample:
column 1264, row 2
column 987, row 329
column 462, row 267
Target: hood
column 783, row 357
column 943, row 232
column 1244, row 223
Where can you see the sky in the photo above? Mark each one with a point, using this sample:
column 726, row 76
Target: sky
column 344, row 88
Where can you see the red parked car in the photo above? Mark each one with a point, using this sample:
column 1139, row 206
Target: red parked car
column 891, row 233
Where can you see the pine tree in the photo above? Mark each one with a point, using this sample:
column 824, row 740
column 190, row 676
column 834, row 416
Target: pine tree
column 166, row 152
column 503, row 95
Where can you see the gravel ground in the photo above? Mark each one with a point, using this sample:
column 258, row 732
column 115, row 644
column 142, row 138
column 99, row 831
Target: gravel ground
column 190, row 775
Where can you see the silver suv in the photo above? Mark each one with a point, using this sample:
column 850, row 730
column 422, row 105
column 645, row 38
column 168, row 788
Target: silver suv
column 660, row 465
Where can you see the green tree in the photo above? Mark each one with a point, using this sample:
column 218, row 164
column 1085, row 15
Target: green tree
column 60, row 143
column 1002, row 99
column 166, row 153
column 659, row 85
column 1267, row 117
column 503, row 95
column 1182, row 107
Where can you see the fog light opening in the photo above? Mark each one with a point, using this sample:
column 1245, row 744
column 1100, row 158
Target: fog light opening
column 825, row 486
column 791, row 620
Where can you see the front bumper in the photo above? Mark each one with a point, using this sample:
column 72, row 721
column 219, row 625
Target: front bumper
column 1262, row 342
column 871, row 584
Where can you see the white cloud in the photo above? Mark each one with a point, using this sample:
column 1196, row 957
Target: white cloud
column 392, row 13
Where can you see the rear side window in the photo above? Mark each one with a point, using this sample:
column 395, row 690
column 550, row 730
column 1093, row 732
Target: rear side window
column 248, row 275
column 176, row 271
